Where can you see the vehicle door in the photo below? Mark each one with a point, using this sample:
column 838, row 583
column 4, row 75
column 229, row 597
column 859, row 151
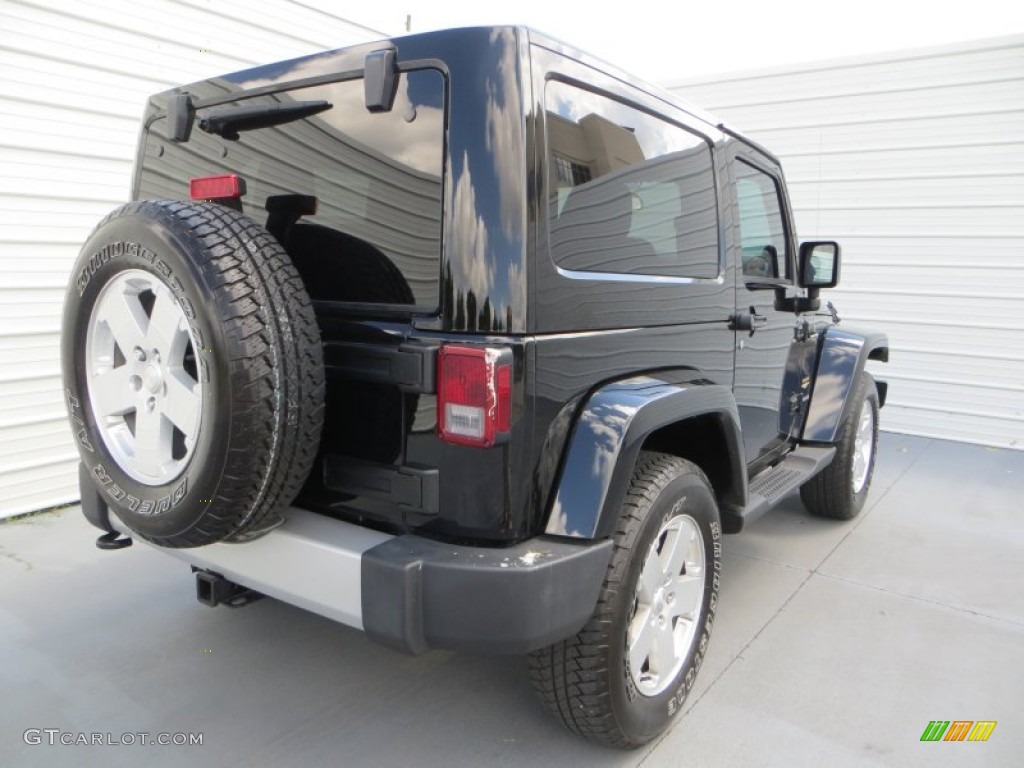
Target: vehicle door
column 762, row 248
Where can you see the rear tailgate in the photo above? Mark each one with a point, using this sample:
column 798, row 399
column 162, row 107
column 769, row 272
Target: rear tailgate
column 356, row 197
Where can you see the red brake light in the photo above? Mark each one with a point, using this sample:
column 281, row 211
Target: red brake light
column 225, row 187
column 474, row 395
column 503, row 415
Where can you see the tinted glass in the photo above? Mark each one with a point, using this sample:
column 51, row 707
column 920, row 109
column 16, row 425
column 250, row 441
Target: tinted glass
column 630, row 193
column 761, row 229
column 821, row 266
column 377, row 179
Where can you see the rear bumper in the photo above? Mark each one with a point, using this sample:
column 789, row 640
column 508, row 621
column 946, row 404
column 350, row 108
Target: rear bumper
column 415, row 594
column 419, row 594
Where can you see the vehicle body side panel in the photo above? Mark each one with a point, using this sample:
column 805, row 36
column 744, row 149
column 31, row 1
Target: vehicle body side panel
column 566, row 368
column 593, row 328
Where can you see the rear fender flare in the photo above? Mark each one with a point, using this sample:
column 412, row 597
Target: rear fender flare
column 607, row 437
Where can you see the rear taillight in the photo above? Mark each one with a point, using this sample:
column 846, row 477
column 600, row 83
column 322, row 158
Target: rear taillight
column 216, row 188
column 474, row 395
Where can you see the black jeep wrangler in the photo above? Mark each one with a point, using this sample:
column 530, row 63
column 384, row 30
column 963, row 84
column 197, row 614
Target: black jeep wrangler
column 471, row 342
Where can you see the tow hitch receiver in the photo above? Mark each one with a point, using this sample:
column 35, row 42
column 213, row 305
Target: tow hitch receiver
column 212, row 589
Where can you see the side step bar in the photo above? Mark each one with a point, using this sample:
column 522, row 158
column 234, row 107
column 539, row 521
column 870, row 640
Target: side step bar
column 769, row 486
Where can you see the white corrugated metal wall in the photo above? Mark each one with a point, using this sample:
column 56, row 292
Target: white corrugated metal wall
column 915, row 162
column 73, row 80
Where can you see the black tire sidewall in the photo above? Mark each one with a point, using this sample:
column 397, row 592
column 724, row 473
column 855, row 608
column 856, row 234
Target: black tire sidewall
column 866, row 393
column 642, row 717
column 149, row 239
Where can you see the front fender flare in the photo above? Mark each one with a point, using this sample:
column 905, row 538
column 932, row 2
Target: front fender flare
column 608, row 434
column 843, row 354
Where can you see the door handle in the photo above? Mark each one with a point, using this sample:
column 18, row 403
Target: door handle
column 748, row 321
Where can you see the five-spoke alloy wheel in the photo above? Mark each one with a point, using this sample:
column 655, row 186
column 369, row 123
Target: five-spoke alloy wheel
column 669, row 597
column 144, row 391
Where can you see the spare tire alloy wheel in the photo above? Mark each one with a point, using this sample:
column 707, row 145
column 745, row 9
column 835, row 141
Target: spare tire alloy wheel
column 144, row 392
column 193, row 372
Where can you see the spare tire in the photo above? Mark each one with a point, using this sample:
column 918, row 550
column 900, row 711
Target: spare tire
column 193, row 372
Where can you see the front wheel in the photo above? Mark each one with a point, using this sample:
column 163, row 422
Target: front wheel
column 623, row 678
column 840, row 490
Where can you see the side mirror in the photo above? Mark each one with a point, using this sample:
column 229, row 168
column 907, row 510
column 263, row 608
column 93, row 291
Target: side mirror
column 819, row 264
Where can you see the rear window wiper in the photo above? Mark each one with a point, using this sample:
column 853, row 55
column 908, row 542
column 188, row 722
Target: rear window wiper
column 229, row 122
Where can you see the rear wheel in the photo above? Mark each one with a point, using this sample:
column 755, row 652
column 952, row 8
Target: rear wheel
column 193, row 370
column 622, row 679
column 840, row 490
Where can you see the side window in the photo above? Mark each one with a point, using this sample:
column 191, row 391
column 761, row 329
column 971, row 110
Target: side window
column 762, row 233
column 629, row 193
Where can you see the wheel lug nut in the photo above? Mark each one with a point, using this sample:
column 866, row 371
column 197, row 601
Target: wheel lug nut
column 151, row 404
column 135, row 382
column 139, row 355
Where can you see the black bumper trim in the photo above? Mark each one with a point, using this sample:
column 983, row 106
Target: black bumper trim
column 419, row 594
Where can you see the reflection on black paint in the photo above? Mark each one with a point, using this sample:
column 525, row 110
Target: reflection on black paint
column 317, row 65
column 840, row 355
column 609, row 432
column 485, row 243
column 597, row 439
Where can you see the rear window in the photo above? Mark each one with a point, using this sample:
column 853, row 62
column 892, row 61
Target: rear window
column 375, row 237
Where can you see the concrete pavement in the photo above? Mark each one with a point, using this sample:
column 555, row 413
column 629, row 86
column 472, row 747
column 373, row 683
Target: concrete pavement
column 836, row 644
